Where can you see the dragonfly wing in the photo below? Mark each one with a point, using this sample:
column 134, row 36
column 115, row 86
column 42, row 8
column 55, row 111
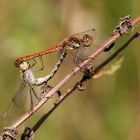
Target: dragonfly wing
column 18, row 100
column 17, row 105
column 91, row 32
column 80, row 55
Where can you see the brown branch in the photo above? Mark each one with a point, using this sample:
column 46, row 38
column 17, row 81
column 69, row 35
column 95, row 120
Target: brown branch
column 70, row 90
column 53, row 107
column 117, row 51
column 107, row 43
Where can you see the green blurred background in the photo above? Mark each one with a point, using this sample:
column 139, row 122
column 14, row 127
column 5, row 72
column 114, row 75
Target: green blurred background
column 109, row 108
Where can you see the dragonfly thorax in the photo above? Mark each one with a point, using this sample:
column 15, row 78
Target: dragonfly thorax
column 28, row 77
column 73, row 45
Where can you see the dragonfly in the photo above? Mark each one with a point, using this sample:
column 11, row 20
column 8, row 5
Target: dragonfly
column 74, row 42
column 29, row 80
column 77, row 42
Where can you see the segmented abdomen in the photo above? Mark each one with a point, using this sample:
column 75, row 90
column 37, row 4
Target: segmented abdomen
column 28, row 57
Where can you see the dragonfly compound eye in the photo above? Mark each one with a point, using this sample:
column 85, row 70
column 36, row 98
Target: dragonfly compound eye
column 87, row 40
column 17, row 62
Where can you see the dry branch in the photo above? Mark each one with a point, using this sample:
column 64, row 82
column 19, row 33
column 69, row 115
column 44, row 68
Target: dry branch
column 70, row 90
column 106, row 44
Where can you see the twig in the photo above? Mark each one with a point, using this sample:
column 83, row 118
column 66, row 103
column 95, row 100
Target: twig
column 106, row 44
column 52, row 108
column 117, row 52
column 70, row 90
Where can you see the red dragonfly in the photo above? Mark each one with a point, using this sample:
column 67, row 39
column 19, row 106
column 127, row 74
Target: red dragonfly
column 75, row 42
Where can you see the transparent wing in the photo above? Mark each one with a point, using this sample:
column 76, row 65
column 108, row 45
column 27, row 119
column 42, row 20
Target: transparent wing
column 91, row 32
column 18, row 105
column 79, row 55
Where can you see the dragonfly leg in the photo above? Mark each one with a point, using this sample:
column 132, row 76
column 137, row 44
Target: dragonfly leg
column 34, row 93
column 46, row 88
column 42, row 64
column 34, row 63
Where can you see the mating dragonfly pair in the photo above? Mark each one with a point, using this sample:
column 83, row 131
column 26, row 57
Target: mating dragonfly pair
column 77, row 42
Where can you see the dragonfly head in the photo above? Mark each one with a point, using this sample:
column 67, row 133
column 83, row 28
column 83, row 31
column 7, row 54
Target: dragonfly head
column 87, row 40
column 18, row 62
column 24, row 66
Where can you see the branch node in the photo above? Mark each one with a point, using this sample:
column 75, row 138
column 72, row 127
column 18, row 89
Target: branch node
column 9, row 133
column 124, row 23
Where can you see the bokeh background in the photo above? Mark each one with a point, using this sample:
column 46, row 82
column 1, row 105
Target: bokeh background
column 109, row 108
